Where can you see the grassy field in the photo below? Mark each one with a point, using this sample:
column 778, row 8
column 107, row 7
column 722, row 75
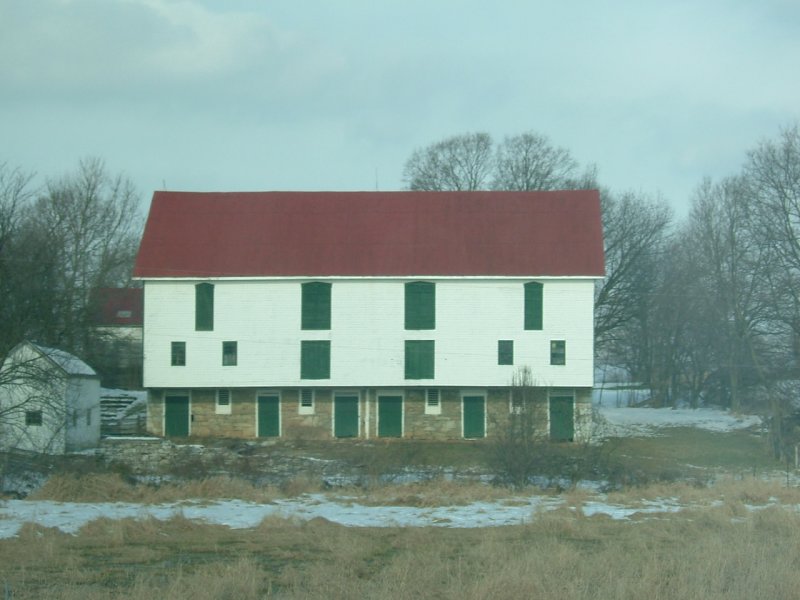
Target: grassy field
column 687, row 447
column 736, row 537
column 675, row 453
column 722, row 552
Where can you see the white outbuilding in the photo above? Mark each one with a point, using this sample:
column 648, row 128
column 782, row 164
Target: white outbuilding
column 49, row 401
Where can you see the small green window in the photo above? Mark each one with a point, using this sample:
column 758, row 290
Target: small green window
column 178, row 358
column 420, row 305
column 204, row 307
column 419, row 359
column 505, row 352
column 533, row 305
column 558, row 352
column 33, row 417
column 230, row 354
column 315, row 359
column 316, row 305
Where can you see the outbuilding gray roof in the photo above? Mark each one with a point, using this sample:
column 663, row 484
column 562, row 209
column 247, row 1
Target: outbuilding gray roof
column 69, row 363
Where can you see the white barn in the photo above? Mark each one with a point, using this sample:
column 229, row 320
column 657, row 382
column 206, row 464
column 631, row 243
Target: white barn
column 49, row 401
column 370, row 314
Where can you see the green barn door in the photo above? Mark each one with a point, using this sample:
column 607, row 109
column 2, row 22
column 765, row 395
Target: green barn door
column 562, row 419
column 269, row 415
column 474, row 417
column 390, row 416
column 345, row 410
column 176, row 416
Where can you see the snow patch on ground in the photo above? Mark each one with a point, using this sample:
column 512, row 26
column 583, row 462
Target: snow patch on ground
column 620, row 419
column 627, row 421
column 69, row 517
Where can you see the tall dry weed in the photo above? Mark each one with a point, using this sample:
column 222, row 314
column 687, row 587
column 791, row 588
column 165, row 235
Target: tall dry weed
column 297, row 486
column 214, row 488
column 111, row 487
column 747, row 491
column 98, row 487
column 429, row 493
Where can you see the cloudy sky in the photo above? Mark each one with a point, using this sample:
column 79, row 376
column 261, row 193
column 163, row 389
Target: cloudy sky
column 336, row 94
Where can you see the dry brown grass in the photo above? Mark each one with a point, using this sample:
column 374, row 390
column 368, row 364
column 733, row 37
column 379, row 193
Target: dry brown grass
column 300, row 485
column 707, row 553
column 435, row 492
column 111, row 487
column 748, row 491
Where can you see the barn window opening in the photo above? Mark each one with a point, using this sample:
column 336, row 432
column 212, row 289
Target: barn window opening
column 229, row 354
column 433, row 405
column 306, row 402
column 33, row 417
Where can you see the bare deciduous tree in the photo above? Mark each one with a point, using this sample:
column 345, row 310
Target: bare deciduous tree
column 734, row 267
column 517, row 450
column 635, row 229
column 16, row 194
column 57, row 246
column 773, row 177
column 529, row 161
column 93, row 223
column 461, row 162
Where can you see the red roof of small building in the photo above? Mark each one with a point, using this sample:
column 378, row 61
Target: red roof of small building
column 319, row 234
column 120, row 307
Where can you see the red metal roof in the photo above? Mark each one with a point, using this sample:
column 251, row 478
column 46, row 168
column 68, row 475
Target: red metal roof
column 318, row 234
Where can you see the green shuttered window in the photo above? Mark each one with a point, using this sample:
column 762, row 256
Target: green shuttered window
column 316, row 305
column 230, row 354
column 505, row 352
column 419, row 359
column 533, row 305
column 558, row 352
column 420, row 305
column 178, row 354
column 33, row 417
column 204, row 307
column 315, row 359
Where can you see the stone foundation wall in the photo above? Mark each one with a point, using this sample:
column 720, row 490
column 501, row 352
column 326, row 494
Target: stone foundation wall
column 314, row 426
column 448, row 425
column 155, row 412
column 240, row 423
column 584, row 423
column 257, row 461
column 444, row 426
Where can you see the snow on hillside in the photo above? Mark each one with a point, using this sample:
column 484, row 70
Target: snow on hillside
column 622, row 418
column 630, row 421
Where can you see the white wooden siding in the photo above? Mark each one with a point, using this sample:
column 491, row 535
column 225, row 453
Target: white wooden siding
column 82, row 396
column 367, row 333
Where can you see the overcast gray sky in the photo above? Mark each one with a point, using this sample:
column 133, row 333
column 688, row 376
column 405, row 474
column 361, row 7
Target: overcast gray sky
column 335, row 95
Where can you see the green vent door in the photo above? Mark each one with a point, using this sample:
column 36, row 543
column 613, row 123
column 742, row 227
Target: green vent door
column 474, row 417
column 390, row 416
column 345, row 410
column 176, row 416
column 269, row 415
column 562, row 419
